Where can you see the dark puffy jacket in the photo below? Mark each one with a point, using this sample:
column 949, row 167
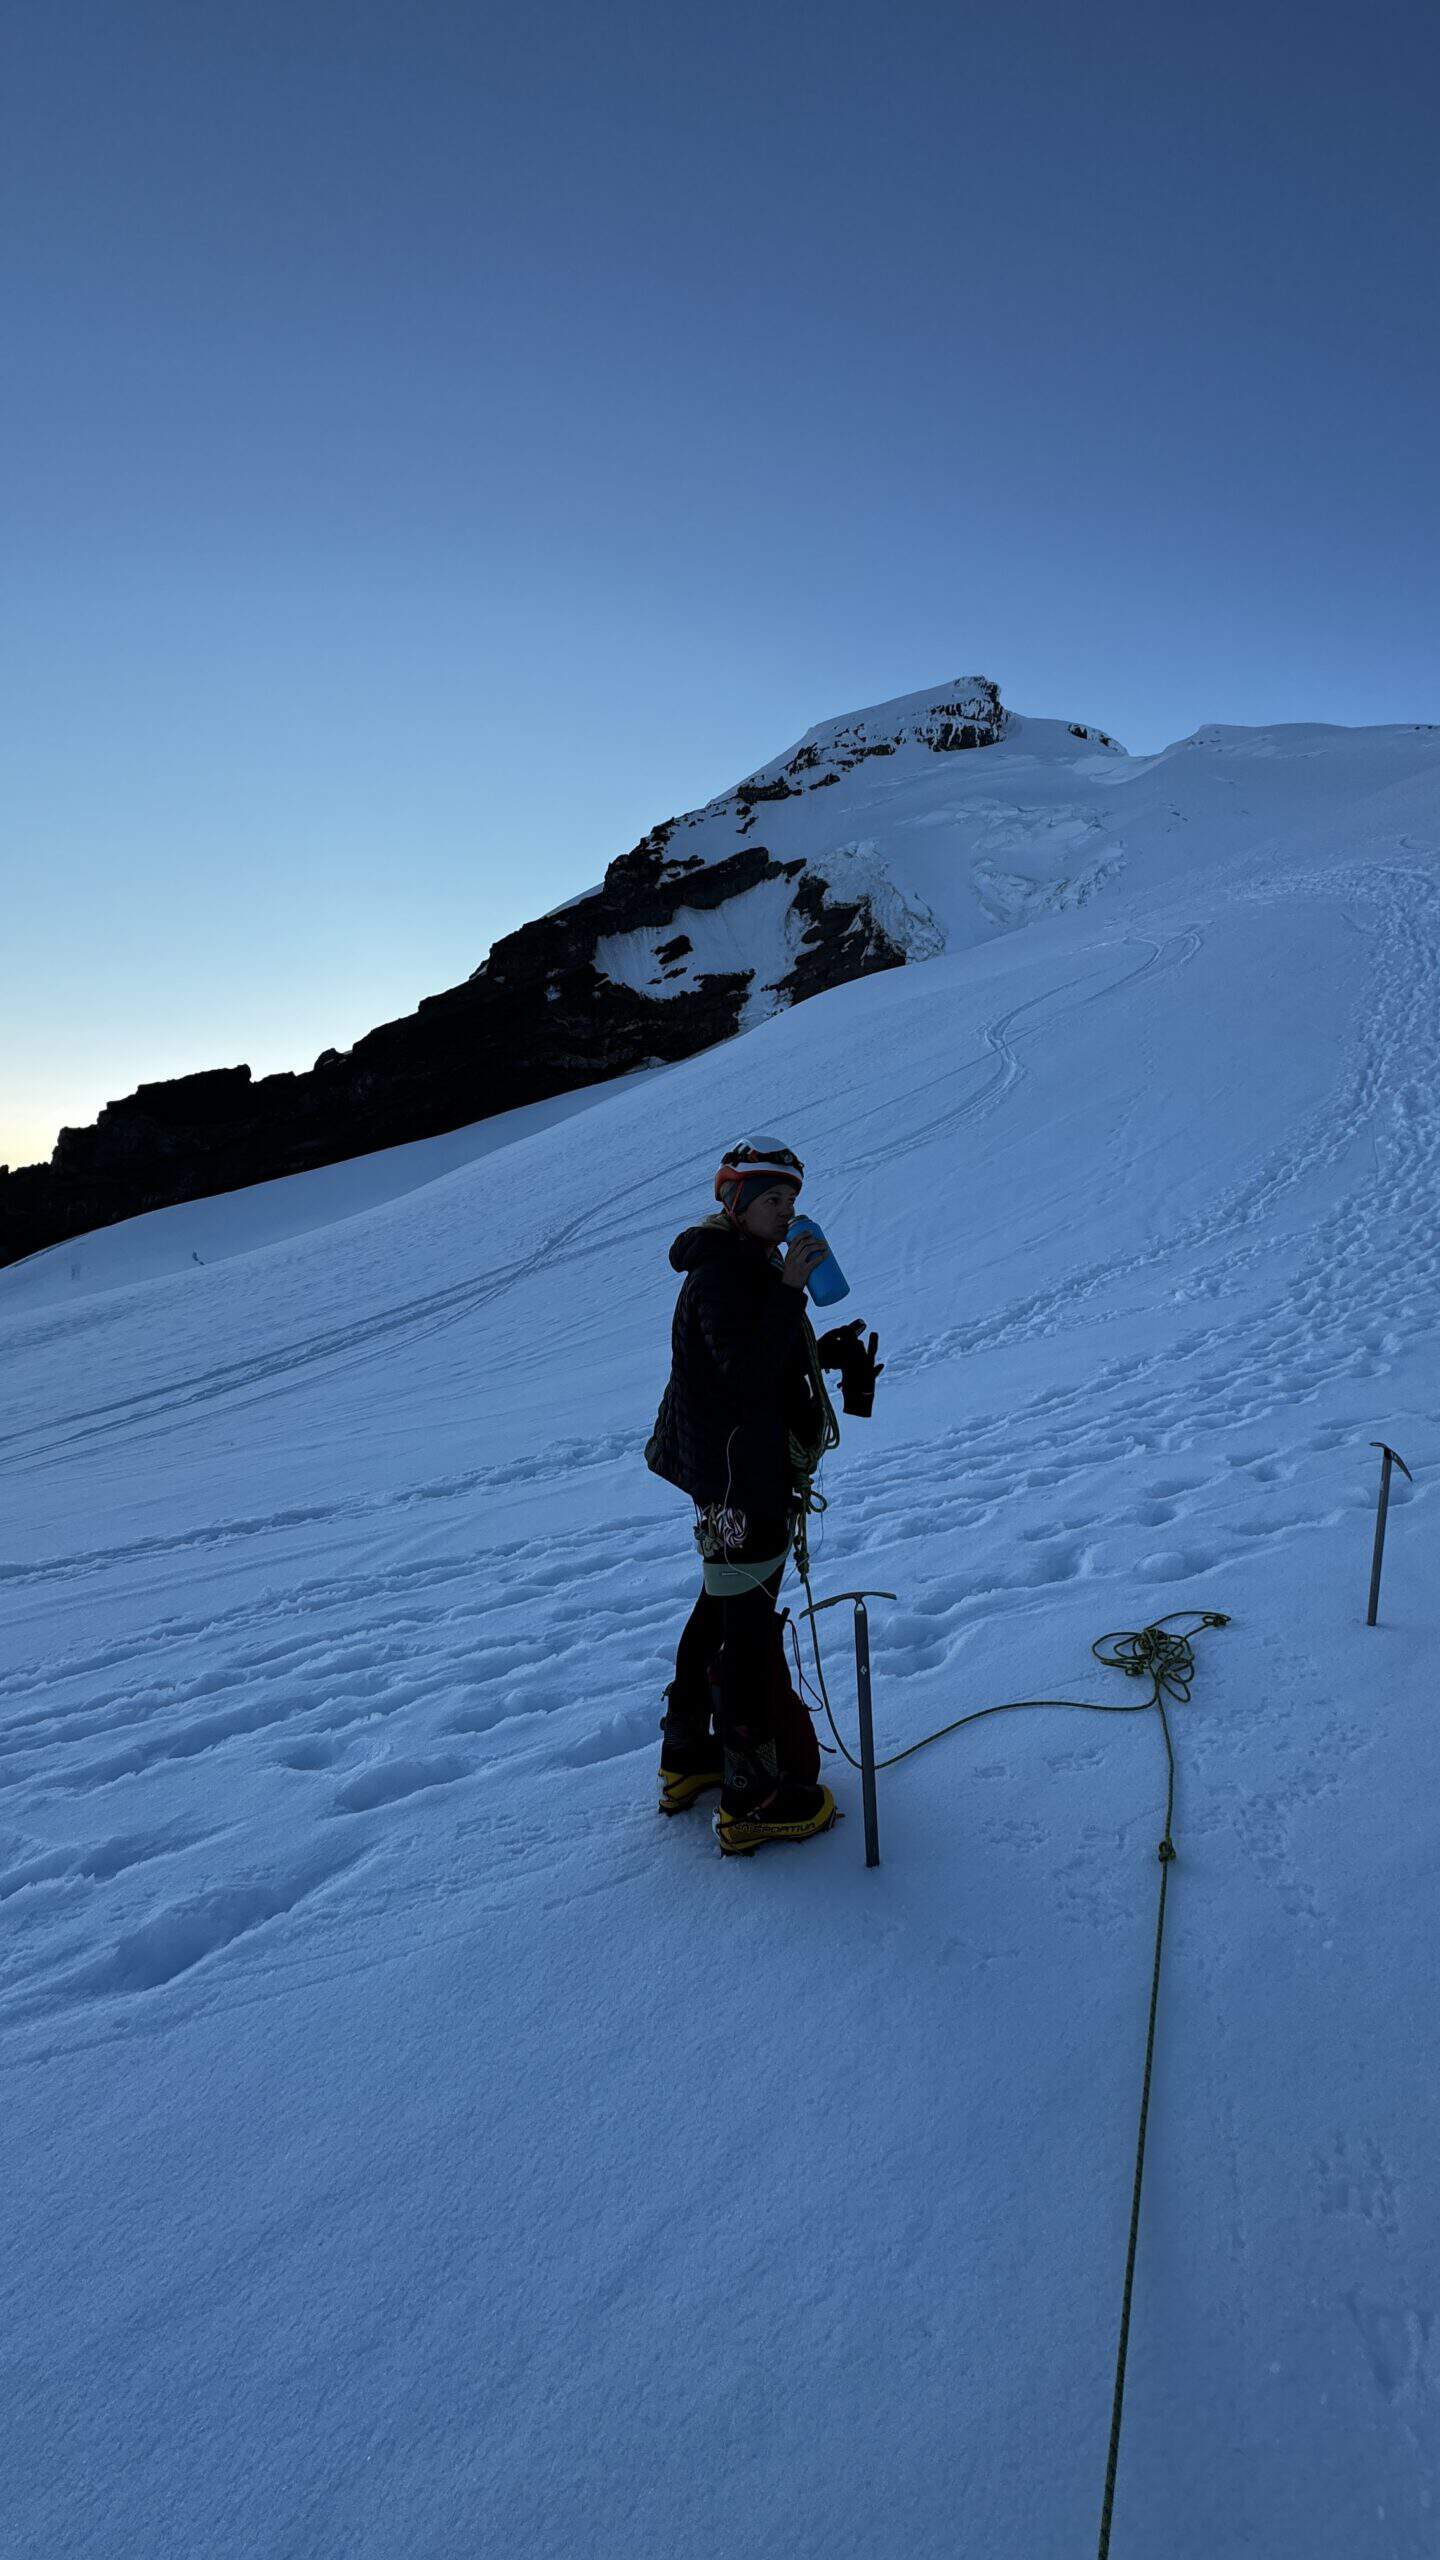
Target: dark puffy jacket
column 742, row 1374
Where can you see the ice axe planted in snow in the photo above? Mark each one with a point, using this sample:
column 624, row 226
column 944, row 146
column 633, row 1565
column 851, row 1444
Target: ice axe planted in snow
column 862, row 1686
column 1389, row 1456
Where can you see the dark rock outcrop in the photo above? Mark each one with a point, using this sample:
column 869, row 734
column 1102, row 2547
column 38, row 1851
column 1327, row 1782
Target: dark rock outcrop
column 540, row 1017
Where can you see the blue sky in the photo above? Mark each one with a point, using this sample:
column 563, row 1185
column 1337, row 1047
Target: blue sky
column 440, row 444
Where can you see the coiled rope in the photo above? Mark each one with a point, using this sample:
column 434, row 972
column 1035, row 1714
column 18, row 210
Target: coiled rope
column 1163, row 1654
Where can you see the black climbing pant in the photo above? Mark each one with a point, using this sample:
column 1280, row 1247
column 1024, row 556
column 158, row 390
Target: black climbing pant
column 731, row 1660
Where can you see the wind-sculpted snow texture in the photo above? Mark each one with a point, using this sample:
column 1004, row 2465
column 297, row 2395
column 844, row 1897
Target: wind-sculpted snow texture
column 411, row 2144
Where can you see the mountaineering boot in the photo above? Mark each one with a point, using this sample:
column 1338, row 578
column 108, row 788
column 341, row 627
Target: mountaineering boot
column 759, row 1802
column 690, row 1756
column 793, row 1813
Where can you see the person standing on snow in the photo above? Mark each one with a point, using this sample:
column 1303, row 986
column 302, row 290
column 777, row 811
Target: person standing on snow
column 745, row 1413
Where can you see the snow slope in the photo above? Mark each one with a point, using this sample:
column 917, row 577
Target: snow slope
column 415, row 2147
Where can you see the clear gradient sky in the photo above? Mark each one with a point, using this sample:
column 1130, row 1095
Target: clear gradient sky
column 441, row 442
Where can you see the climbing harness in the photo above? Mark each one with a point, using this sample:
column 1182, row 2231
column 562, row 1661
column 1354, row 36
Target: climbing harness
column 719, row 1526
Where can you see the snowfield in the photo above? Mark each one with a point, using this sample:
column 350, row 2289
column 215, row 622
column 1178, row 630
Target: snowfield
column 414, row 2148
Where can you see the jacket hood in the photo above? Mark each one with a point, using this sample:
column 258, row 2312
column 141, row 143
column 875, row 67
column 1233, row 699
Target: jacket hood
column 711, row 1241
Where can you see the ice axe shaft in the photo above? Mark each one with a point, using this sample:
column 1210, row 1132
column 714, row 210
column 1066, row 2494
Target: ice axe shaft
column 1388, row 1458
column 867, row 1723
column 867, row 1736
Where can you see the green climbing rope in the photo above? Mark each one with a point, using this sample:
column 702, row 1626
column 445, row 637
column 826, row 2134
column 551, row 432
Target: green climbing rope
column 1165, row 1657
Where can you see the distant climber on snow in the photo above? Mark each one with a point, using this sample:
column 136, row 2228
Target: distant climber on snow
column 744, row 1422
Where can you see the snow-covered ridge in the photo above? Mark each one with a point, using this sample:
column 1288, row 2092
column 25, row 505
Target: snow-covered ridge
column 890, row 834
column 919, row 826
column 966, row 713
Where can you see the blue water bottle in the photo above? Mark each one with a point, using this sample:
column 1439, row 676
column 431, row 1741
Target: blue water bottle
column 827, row 1282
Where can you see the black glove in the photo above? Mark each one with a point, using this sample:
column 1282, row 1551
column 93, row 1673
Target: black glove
column 842, row 1349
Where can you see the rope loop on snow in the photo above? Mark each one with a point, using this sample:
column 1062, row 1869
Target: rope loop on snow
column 1164, row 1655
